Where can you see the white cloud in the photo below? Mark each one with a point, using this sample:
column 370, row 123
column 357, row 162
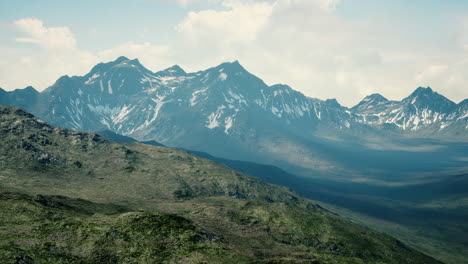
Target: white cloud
column 55, row 53
column 305, row 44
column 239, row 24
column 46, row 37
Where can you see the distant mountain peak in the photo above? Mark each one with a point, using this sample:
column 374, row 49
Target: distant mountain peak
column 374, row 99
column 425, row 97
column 376, row 96
column 370, row 101
column 173, row 71
column 120, row 62
column 122, row 65
column 121, row 59
column 176, row 68
column 233, row 66
column 422, row 91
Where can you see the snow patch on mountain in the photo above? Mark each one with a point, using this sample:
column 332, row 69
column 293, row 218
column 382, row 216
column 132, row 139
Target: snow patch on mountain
column 237, row 97
column 122, row 115
column 223, row 76
column 109, row 86
column 213, row 118
column 104, row 110
column 193, row 99
column 159, row 104
column 92, row 79
column 228, row 121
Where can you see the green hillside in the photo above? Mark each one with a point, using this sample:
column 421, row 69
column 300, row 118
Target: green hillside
column 147, row 204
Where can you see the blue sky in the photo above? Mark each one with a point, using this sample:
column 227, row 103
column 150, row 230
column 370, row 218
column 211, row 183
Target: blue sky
column 342, row 49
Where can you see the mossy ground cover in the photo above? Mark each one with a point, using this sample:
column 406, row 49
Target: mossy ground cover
column 45, row 229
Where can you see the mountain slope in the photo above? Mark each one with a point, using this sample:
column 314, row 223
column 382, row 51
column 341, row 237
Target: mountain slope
column 255, row 221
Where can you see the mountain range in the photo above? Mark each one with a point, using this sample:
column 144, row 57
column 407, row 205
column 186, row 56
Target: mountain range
column 229, row 112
